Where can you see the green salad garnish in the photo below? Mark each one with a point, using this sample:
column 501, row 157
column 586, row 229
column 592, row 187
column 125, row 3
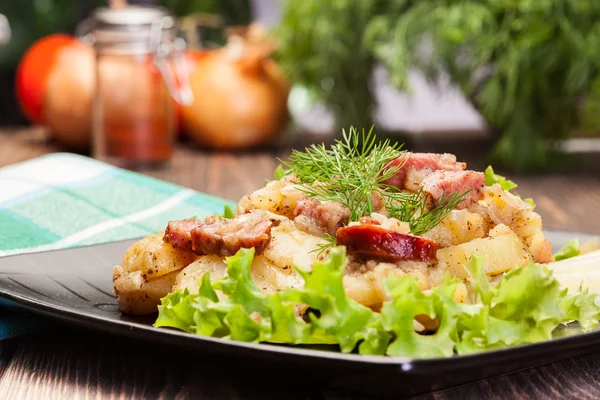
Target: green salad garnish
column 227, row 212
column 491, row 177
column 526, row 306
column 569, row 250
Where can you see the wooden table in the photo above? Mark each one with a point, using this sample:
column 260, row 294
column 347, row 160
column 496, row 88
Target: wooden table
column 65, row 363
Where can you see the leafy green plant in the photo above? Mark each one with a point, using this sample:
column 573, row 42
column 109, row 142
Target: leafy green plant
column 322, row 49
column 531, row 67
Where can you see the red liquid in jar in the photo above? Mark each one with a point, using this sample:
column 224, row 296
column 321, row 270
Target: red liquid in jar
column 134, row 117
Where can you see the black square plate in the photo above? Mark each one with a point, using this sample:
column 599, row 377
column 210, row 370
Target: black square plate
column 75, row 286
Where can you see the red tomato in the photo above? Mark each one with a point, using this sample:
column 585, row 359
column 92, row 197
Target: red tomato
column 33, row 71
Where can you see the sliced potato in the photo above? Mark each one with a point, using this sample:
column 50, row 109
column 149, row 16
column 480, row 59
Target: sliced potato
column 147, row 273
column 153, row 257
column 189, row 278
column 540, row 248
column 265, row 275
column 279, row 197
column 502, row 253
column 503, row 207
column 137, row 295
column 289, row 246
column 458, row 227
column 366, row 287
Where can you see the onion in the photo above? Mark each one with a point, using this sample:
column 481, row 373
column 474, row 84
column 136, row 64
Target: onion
column 240, row 96
column 69, row 95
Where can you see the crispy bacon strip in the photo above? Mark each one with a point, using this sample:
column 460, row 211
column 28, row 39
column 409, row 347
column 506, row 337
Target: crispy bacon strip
column 226, row 236
column 417, row 166
column 320, row 218
column 444, row 183
column 222, row 237
column 375, row 241
column 179, row 233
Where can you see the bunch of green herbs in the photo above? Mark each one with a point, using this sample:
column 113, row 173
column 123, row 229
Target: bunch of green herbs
column 354, row 171
column 531, row 67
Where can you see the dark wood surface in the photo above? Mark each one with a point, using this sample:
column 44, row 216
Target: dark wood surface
column 65, row 363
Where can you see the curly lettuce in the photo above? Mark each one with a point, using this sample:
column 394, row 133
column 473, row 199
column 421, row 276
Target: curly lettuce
column 525, row 307
column 569, row 250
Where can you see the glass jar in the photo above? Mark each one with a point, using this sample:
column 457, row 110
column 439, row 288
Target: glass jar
column 140, row 76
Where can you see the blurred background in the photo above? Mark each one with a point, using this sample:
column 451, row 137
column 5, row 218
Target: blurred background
column 517, row 82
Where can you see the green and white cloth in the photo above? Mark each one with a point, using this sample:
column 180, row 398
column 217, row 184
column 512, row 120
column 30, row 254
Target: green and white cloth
column 64, row 200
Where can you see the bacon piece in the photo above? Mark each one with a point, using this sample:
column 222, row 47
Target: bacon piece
column 319, row 218
column 444, row 183
column 225, row 237
column 178, row 233
column 222, row 237
column 375, row 241
column 417, row 166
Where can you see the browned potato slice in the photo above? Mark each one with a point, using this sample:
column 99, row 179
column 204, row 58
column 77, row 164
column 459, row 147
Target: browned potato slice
column 502, row 253
column 459, row 227
column 139, row 296
column 147, row 273
column 153, row 257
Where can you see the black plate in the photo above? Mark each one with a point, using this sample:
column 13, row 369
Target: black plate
column 75, row 286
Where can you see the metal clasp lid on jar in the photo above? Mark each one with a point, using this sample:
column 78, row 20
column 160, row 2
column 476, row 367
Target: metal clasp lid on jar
column 141, row 30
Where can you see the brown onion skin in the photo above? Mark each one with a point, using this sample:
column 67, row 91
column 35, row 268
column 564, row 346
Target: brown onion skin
column 67, row 103
column 374, row 241
column 236, row 105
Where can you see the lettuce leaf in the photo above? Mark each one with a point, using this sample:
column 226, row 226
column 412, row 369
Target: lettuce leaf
column 279, row 172
column 530, row 201
column 339, row 316
column 246, row 313
column 525, row 307
column 408, row 302
column 492, row 178
column 227, row 212
column 582, row 307
column 568, row 250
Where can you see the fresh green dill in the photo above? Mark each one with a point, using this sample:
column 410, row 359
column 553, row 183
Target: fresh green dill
column 350, row 172
column 420, row 214
column 353, row 172
column 330, row 241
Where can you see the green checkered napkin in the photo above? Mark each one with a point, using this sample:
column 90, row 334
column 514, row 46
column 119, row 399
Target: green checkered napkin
column 64, row 200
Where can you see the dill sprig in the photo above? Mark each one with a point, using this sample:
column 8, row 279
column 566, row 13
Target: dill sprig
column 330, row 241
column 420, row 214
column 353, row 171
column 350, row 172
